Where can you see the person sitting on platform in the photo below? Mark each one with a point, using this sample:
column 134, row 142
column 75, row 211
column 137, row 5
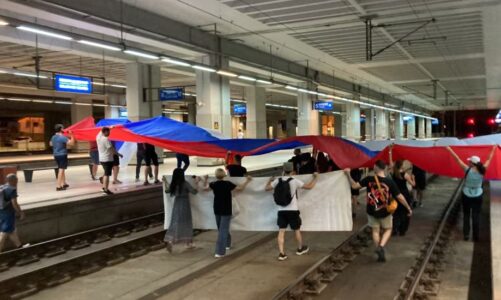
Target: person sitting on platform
column 285, row 193
column 60, row 144
column 181, row 225
column 222, row 190
column 150, row 157
column 380, row 189
column 107, row 157
column 183, row 159
column 8, row 210
column 235, row 169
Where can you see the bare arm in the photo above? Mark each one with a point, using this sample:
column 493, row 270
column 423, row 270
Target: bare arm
column 491, row 155
column 401, row 199
column 227, row 158
column 17, row 208
column 354, row 185
column 268, row 184
column 311, row 184
column 391, row 156
column 456, row 157
column 206, row 183
column 410, row 179
column 71, row 142
column 242, row 186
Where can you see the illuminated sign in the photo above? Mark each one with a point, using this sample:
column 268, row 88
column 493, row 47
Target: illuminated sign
column 434, row 122
column 169, row 94
column 323, row 105
column 72, row 84
column 239, row 109
column 122, row 112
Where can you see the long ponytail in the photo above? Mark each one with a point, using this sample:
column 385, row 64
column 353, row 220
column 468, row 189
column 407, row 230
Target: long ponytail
column 480, row 167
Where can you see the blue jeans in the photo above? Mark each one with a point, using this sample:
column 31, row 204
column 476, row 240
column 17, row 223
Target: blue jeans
column 223, row 237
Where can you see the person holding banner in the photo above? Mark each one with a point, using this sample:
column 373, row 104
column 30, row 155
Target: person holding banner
column 472, row 191
column 380, row 190
column 60, row 144
column 108, row 156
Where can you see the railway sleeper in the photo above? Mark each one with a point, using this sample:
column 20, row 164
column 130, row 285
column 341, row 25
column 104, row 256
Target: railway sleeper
column 327, row 271
column 23, row 291
column 79, row 244
column 339, row 265
column 26, row 260
column 57, row 279
column 314, row 284
column 121, row 232
column 101, row 238
column 55, row 251
column 297, row 293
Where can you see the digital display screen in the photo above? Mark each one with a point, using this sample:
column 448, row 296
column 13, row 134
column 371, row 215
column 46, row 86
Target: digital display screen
column 239, row 109
column 122, row 112
column 72, row 84
column 169, row 94
column 323, row 105
column 434, row 122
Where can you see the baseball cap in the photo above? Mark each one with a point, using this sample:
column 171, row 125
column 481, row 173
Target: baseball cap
column 288, row 167
column 474, row 159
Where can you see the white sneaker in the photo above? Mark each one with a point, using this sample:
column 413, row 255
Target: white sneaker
column 228, row 248
column 218, row 255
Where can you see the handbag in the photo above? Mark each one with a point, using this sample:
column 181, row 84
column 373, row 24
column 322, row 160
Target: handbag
column 391, row 204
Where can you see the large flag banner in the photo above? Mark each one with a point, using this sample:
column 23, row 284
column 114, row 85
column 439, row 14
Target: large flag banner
column 327, row 207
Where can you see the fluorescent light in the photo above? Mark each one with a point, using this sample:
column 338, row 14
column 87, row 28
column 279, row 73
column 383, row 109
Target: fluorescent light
column 98, row 83
column 42, row 101
column 302, row 90
column 83, row 104
column 29, row 75
column 176, row 62
column 99, row 104
column 141, row 54
column 291, row 87
column 19, row 99
column 247, row 78
column 3, row 23
column 63, row 102
column 104, row 46
column 3, row 72
column 43, row 32
column 238, row 100
column 117, row 106
column 312, row 92
column 264, row 81
column 224, row 73
column 203, row 68
column 118, row 86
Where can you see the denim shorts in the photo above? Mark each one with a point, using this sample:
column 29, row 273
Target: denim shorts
column 94, row 157
column 7, row 221
column 61, row 161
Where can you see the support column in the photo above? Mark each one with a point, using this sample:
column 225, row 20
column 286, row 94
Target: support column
column 307, row 117
column 142, row 79
column 428, row 129
column 291, row 115
column 192, row 113
column 421, row 126
column 256, row 112
column 369, row 125
column 411, row 128
column 213, row 99
column 112, row 111
column 353, row 121
column 381, row 125
column 399, row 126
column 78, row 113
column 339, row 125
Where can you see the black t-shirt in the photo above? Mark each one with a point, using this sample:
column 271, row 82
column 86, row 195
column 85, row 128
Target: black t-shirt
column 236, row 170
column 222, row 197
column 296, row 161
column 149, row 149
column 374, row 199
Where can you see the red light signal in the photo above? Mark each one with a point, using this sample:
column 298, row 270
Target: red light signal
column 470, row 135
column 470, row 121
column 491, row 121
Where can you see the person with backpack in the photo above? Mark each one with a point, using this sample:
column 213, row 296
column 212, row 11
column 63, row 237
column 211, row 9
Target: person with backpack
column 222, row 190
column 472, row 191
column 380, row 205
column 285, row 190
column 8, row 210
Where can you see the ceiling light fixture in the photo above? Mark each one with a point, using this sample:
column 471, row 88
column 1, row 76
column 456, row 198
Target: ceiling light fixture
column 3, row 23
column 176, row 62
column 118, row 86
column 63, row 102
column 42, row 101
column 44, row 32
column 225, row 73
column 83, row 104
column 100, row 45
column 19, row 99
column 99, row 104
column 203, row 68
column 141, row 54
column 247, row 78
column 264, row 81
column 289, row 87
column 29, row 75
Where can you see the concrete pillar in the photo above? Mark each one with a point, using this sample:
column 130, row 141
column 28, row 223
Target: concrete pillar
column 140, row 78
column 421, row 127
column 256, row 112
column 192, row 113
column 370, row 133
column 291, row 115
column 340, row 125
column 399, row 126
column 113, row 111
column 353, row 121
column 411, row 128
column 428, row 129
column 78, row 113
column 381, row 124
column 213, row 99
column 307, row 118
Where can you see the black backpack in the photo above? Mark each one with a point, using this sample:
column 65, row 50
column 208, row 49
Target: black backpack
column 282, row 193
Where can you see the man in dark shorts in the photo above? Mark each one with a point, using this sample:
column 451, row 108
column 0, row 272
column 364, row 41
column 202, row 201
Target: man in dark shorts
column 235, row 169
column 182, row 159
column 289, row 215
column 107, row 154
column 8, row 210
column 356, row 174
column 60, row 144
column 150, row 158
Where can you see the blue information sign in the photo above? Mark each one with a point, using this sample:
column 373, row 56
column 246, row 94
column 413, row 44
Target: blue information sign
column 167, row 94
column 324, row 105
column 434, row 122
column 73, row 84
column 239, row 109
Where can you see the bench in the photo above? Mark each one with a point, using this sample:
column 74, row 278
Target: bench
column 28, row 173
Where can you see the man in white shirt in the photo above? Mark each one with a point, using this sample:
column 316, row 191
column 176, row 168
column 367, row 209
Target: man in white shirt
column 288, row 215
column 240, row 134
column 106, row 152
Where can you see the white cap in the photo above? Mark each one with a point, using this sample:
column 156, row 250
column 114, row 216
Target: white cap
column 474, row 159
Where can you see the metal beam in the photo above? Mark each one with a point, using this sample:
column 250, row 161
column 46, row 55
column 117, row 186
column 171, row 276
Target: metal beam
column 176, row 32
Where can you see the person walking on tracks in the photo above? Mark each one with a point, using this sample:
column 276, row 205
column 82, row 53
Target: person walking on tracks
column 285, row 191
column 222, row 190
column 380, row 205
column 8, row 210
column 181, row 225
column 60, row 144
column 472, row 191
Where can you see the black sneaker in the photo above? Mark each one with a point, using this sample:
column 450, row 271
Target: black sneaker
column 101, row 179
column 302, row 250
column 282, row 256
column 107, row 192
column 380, row 253
column 466, row 238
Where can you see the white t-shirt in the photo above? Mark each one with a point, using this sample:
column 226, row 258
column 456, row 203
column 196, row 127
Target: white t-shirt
column 240, row 135
column 295, row 185
column 105, row 148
